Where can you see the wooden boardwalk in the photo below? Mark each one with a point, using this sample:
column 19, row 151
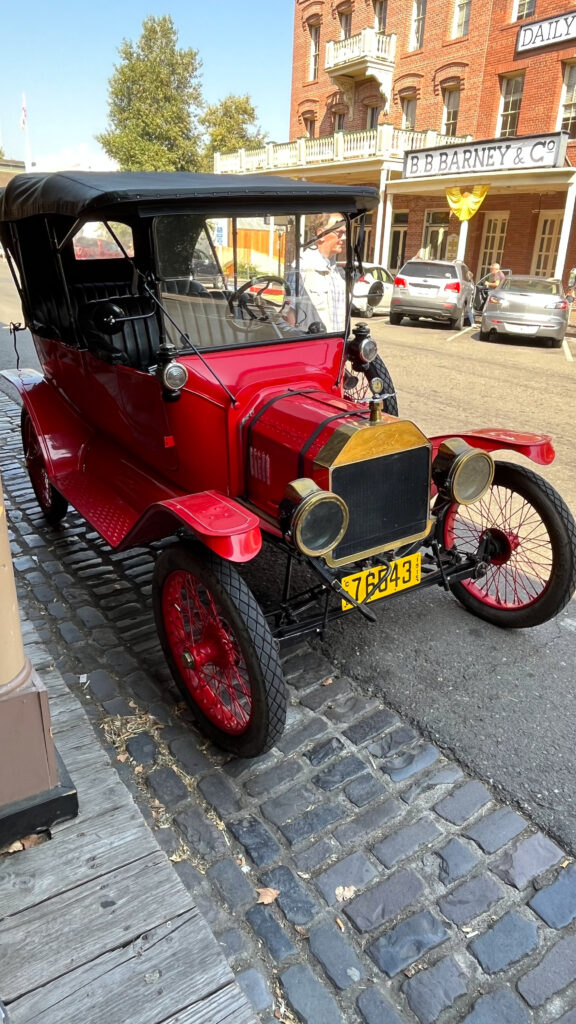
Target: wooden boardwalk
column 95, row 925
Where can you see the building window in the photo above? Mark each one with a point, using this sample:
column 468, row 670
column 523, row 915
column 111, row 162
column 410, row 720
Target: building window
column 461, row 18
column 309, row 126
column 409, row 103
column 314, row 55
column 372, row 117
column 547, row 243
column 345, row 18
column 339, row 122
column 380, row 15
column 435, row 237
column 451, row 107
column 417, row 29
column 398, row 237
column 492, row 248
column 510, row 103
column 568, row 123
column 523, row 9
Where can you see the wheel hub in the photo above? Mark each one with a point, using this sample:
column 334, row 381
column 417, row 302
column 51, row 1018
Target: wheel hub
column 501, row 545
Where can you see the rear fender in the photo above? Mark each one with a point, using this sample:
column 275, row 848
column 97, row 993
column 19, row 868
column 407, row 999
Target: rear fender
column 219, row 522
column 537, row 447
column 61, row 433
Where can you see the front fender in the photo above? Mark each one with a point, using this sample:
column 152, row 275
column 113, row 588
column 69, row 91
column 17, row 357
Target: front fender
column 219, row 522
column 537, row 447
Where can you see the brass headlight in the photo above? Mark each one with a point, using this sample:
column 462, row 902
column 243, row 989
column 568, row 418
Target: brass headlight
column 463, row 472
column 316, row 519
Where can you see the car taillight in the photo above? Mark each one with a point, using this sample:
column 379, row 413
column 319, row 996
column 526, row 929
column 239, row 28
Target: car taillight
column 452, row 286
column 400, row 282
column 363, row 279
column 562, row 304
column 492, row 300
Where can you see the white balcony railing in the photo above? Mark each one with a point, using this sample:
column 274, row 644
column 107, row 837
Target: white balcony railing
column 382, row 143
column 367, row 45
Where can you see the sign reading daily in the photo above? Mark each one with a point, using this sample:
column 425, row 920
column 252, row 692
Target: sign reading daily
column 561, row 29
column 510, row 154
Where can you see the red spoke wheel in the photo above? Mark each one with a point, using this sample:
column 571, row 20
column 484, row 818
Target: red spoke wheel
column 532, row 534
column 357, row 384
column 220, row 649
column 53, row 504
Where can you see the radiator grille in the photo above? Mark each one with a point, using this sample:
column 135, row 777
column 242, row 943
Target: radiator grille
column 388, row 500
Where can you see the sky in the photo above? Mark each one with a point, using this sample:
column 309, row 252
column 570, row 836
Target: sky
column 61, row 53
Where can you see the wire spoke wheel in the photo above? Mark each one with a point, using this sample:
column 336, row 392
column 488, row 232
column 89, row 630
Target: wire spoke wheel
column 219, row 649
column 531, row 535
column 53, row 504
column 357, row 384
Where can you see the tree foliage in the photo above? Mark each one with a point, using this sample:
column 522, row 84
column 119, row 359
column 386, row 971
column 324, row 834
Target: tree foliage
column 230, row 125
column 154, row 100
column 157, row 117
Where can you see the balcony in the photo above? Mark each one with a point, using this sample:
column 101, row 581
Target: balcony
column 370, row 54
column 336, row 152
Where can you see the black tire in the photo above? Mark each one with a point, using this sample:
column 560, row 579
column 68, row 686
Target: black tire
column 533, row 575
column 555, row 343
column 360, row 390
column 483, row 335
column 395, row 319
column 414, row 319
column 203, row 608
column 54, row 505
column 458, row 322
column 368, row 312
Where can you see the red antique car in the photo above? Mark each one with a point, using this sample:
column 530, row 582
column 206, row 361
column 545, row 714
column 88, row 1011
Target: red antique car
column 222, row 417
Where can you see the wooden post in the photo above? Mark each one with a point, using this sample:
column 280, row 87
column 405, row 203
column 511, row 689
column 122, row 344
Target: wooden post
column 31, row 795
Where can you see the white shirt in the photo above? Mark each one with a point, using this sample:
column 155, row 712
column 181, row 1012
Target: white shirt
column 318, row 291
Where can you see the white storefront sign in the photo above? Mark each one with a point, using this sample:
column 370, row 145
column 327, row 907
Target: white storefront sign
column 561, row 29
column 511, row 154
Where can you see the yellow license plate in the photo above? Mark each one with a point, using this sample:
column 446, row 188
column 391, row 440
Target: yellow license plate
column 404, row 573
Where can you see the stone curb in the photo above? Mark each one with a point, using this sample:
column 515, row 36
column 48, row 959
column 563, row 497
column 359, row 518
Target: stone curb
column 406, row 891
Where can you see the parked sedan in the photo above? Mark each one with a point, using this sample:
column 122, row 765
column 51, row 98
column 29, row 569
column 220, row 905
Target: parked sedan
column 533, row 307
column 434, row 289
column 372, row 290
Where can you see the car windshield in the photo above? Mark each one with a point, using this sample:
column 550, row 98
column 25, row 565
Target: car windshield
column 233, row 281
column 531, row 284
column 421, row 269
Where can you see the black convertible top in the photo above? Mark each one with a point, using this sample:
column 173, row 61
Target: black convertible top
column 73, row 193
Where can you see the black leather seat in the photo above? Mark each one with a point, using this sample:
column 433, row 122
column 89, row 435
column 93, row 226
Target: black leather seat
column 137, row 344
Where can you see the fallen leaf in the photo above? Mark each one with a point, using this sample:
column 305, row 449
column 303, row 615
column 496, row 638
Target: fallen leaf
column 327, row 682
column 267, row 895
column 301, row 931
column 565, row 863
column 340, row 924
column 122, row 757
column 15, row 847
column 345, row 892
column 33, row 840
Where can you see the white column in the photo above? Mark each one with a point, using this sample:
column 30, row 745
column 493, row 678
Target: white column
column 387, row 230
column 462, row 238
column 380, row 217
column 565, row 232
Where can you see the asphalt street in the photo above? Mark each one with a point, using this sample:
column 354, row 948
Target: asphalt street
column 502, row 703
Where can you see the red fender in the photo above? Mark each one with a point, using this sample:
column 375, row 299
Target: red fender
column 221, row 523
column 537, row 447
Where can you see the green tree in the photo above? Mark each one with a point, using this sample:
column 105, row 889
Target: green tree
column 155, row 99
column 230, row 125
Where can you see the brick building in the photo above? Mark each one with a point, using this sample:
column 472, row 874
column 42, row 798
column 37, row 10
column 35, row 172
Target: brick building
column 481, row 92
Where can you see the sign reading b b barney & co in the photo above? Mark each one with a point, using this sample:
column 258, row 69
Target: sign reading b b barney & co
column 506, row 154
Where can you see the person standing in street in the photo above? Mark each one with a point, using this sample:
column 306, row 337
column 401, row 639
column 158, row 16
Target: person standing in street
column 496, row 278
column 318, row 286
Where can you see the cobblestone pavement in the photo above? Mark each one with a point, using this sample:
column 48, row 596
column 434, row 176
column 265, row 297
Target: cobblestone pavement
column 406, row 893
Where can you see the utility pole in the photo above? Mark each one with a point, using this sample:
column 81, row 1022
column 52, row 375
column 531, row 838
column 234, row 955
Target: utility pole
column 35, row 790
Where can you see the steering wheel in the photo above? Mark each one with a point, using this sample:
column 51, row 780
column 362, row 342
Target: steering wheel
column 249, row 307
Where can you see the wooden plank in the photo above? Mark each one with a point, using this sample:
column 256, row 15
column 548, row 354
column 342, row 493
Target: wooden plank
column 99, row 790
column 223, row 1007
column 85, row 850
column 159, row 976
column 59, row 935
column 79, row 749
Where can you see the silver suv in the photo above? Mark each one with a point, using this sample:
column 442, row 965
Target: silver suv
column 437, row 289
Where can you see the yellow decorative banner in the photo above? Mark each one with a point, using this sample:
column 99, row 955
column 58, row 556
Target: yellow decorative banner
column 466, row 204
